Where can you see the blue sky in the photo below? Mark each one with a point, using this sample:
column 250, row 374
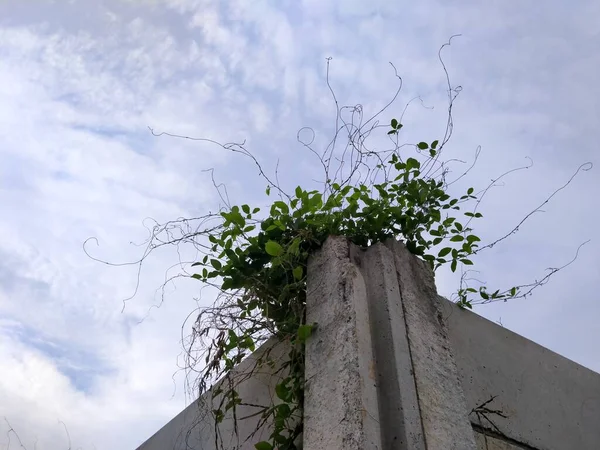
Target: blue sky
column 81, row 81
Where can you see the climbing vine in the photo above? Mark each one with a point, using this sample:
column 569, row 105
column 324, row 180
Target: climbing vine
column 260, row 265
column 257, row 259
column 263, row 262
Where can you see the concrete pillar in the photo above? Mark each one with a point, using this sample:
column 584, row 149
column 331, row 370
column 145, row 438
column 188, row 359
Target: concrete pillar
column 379, row 368
column 340, row 400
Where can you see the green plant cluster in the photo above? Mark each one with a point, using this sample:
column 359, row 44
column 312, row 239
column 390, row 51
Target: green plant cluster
column 264, row 262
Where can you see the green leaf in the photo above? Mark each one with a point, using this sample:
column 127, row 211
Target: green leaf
column 304, row 332
column 453, row 266
column 470, row 191
column 316, row 201
column 394, row 123
column 268, row 190
column 457, row 238
column 434, row 144
column 466, row 262
column 216, row 263
column 443, row 252
column 246, row 209
column 196, row 264
column 273, row 248
column 298, row 192
column 466, row 304
column 298, row 273
column 282, row 391
column 392, row 132
column 284, row 410
column 513, row 292
column 423, row 145
column 472, row 238
column 279, row 438
column 233, row 338
column 218, row 415
column 282, row 206
column 294, row 247
column 412, row 163
column 263, row 445
column 197, row 276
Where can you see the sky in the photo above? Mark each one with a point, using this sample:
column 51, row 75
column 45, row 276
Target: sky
column 81, row 82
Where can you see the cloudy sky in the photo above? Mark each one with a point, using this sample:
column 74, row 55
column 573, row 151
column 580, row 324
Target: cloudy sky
column 80, row 82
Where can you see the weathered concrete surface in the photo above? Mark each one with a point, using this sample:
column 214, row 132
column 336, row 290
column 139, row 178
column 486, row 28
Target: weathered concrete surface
column 194, row 427
column 340, row 400
column 379, row 366
column 551, row 403
column 441, row 399
column 399, row 412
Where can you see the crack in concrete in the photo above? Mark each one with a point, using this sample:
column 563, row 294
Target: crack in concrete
column 501, row 437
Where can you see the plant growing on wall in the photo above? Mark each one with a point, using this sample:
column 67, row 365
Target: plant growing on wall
column 257, row 259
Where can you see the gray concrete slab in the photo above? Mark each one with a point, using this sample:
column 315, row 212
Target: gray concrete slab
column 551, row 402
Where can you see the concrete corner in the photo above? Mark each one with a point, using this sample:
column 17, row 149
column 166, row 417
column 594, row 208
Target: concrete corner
column 380, row 370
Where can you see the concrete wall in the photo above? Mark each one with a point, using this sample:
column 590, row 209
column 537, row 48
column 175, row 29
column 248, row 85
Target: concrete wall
column 393, row 366
column 194, row 427
column 549, row 402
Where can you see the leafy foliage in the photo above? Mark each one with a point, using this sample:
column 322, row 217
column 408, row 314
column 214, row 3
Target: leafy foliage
column 264, row 261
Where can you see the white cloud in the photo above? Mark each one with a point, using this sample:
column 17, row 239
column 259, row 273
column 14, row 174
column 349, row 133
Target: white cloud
column 79, row 84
